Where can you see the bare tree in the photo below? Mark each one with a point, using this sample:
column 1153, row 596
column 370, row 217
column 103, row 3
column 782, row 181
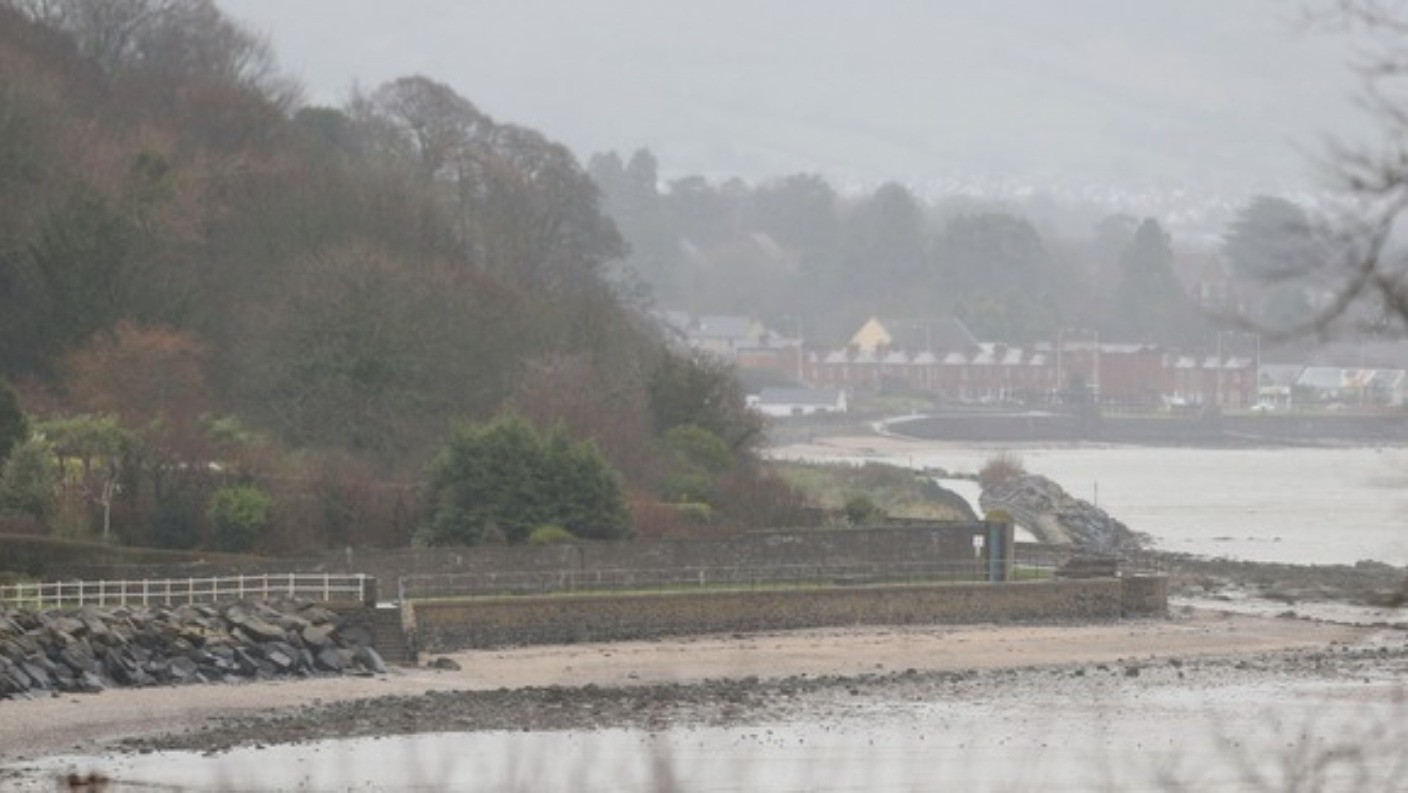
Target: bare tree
column 180, row 40
column 1361, row 280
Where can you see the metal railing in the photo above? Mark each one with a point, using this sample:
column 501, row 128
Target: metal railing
column 494, row 584
column 326, row 587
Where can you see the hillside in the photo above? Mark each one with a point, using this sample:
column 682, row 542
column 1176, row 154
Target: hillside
column 206, row 284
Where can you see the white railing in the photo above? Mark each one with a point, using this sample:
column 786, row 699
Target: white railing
column 324, row 587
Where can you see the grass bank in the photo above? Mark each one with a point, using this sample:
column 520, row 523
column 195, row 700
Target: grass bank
column 895, row 491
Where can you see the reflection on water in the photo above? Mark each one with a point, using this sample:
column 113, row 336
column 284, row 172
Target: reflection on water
column 1120, row 735
column 1297, row 505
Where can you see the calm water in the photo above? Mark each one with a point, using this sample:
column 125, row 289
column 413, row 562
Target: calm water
column 1297, row 505
column 1117, row 736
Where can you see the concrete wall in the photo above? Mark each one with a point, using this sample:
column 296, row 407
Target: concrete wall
column 555, row 620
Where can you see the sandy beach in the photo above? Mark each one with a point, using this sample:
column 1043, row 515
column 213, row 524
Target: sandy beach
column 92, row 723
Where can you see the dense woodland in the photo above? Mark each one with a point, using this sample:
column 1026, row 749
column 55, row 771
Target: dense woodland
column 229, row 319
column 800, row 253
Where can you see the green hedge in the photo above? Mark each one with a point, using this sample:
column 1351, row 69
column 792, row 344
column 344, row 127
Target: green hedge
column 35, row 556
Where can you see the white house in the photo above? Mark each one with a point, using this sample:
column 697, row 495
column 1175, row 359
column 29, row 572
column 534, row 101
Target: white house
column 781, row 402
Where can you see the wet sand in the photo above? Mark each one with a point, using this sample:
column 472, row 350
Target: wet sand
column 92, row 723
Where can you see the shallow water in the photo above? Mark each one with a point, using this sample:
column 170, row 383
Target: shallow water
column 1296, row 505
column 1109, row 734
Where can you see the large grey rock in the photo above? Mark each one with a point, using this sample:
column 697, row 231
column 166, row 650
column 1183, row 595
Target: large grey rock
column 283, row 657
column 38, row 675
column 354, row 636
column 59, row 623
column 259, row 629
column 317, row 636
column 332, row 659
column 369, row 658
column 80, row 658
column 183, row 669
column 88, row 683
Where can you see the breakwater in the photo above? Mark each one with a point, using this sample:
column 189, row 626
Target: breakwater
column 90, row 648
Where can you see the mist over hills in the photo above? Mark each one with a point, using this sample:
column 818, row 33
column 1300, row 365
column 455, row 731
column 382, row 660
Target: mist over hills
column 1169, row 108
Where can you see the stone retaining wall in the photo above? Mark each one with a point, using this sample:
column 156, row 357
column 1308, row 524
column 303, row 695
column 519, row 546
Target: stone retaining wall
column 482, row 623
column 934, row 542
column 1144, row 595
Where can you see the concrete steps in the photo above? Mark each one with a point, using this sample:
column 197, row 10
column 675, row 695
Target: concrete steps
column 389, row 637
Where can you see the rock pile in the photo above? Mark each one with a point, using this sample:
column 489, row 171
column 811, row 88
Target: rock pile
column 89, row 649
column 1054, row 516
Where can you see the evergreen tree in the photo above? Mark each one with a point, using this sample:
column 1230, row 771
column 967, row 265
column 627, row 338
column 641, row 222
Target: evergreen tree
column 1151, row 304
column 509, row 478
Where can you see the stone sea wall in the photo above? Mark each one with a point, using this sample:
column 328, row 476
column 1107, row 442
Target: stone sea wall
column 90, row 649
column 496, row 622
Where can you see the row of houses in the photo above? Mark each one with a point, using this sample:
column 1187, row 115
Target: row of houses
column 1113, row 374
column 941, row 357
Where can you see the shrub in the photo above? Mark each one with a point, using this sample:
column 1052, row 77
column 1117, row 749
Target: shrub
column 998, row 515
column 693, row 460
column 687, row 487
column 239, row 513
column 1000, row 470
column 695, row 514
column 508, row 477
column 550, row 535
column 862, row 511
column 29, row 480
column 758, row 499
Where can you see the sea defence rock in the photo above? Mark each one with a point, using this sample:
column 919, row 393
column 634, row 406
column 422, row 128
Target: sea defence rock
column 89, row 649
column 1054, row 516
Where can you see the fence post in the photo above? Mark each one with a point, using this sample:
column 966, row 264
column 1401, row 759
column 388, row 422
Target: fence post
column 290, row 584
column 191, row 590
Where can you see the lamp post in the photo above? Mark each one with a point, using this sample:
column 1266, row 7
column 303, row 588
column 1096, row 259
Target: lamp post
column 1094, row 335
column 798, row 346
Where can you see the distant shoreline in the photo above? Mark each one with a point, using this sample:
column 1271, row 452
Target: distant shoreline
column 1272, row 429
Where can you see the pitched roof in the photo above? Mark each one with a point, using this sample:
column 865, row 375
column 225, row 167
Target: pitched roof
column 915, row 334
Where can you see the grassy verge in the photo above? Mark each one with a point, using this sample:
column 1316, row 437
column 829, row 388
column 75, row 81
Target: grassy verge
column 895, row 490
column 33, row 556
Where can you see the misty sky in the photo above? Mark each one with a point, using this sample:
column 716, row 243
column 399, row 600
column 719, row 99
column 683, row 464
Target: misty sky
column 1223, row 96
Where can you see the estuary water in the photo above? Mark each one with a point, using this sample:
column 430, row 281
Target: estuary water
column 1115, row 736
column 1295, row 505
